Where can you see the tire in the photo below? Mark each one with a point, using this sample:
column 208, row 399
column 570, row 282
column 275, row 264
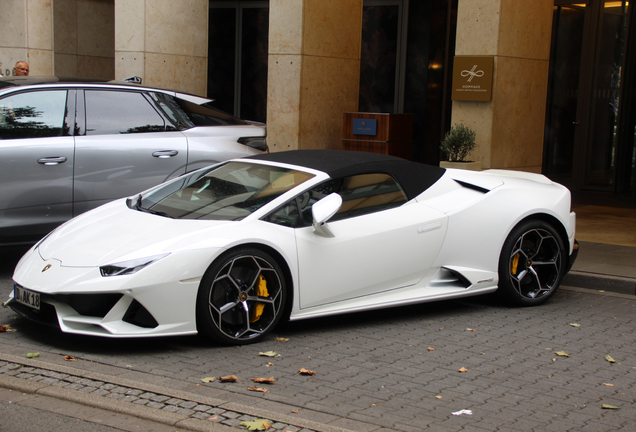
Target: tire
column 532, row 264
column 241, row 297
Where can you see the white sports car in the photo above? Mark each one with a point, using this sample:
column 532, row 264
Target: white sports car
column 229, row 250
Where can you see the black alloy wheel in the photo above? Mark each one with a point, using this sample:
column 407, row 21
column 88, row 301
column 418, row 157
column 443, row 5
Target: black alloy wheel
column 241, row 297
column 532, row 263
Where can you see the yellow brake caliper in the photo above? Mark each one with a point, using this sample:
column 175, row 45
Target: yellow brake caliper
column 261, row 291
column 514, row 264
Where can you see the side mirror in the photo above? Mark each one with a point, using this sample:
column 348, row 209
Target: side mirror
column 324, row 209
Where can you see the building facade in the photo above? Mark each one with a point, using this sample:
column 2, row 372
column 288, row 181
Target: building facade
column 562, row 86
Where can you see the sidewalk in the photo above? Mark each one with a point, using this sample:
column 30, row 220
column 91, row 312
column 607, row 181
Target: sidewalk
column 607, row 253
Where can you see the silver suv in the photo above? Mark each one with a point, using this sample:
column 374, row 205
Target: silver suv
column 67, row 147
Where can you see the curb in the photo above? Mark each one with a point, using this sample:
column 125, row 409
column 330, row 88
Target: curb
column 596, row 281
column 153, row 414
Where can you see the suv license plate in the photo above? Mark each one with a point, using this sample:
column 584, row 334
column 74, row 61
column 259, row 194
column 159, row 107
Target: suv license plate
column 26, row 297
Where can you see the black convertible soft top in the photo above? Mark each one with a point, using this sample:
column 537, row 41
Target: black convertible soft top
column 414, row 177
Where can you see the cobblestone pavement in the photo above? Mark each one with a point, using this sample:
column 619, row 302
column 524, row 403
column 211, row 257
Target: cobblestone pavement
column 398, row 369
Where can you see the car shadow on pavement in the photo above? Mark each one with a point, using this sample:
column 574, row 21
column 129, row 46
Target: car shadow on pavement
column 33, row 333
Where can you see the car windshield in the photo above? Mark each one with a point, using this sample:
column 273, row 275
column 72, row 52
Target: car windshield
column 229, row 191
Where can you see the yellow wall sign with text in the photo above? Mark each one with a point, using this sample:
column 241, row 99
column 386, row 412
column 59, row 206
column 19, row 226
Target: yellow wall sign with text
column 472, row 78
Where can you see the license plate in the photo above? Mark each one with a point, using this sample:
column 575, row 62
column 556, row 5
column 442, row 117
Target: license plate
column 26, row 297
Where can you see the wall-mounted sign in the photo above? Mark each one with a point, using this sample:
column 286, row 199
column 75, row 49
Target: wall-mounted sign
column 362, row 126
column 472, row 78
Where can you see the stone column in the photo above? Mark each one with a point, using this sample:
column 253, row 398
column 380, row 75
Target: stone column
column 510, row 127
column 26, row 34
column 164, row 42
column 313, row 71
column 84, row 38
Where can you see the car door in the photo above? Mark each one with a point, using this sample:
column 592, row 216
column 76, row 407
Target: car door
column 124, row 147
column 36, row 159
column 377, row 242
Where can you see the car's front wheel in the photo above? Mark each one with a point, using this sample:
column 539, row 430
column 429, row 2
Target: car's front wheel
column 241, row 297
column 532, row 263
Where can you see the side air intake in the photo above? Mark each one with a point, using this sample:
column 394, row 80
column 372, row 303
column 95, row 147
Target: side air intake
column 446, row 278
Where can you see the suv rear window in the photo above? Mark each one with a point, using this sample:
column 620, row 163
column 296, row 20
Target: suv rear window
column 205, row 115
column 120, row 112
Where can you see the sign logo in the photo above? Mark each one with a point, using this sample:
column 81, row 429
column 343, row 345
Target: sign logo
column 472, row 78
column 472, row 73
column 46, row 267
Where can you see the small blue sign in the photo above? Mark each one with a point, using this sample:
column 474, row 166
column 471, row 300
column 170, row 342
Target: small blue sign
column 365, row 126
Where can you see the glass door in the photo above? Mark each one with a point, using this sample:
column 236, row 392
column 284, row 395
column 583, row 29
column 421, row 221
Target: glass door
column 582, row 139
column 383, row 56
column 237, row 57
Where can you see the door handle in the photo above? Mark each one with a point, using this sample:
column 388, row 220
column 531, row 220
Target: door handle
column 52, row 160
column 165, row 154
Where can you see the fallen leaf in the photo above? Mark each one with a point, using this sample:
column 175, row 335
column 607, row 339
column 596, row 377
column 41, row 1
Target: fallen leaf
column 608, row 385
column 207, row 379
column 469, row 329
column 438, row 397
column 463, row 370
column 269, row 380
column 257, row 389
column 281, row 339
column 609, row 358
column 575, row 325
column 430, row 349
column 612, row 407
column 213, row 418
column 269, row 354
column 229, row 378
column 6, row 328
column 304, row 371
column 256, row 425
column 270, row 364
column 294, row 411
column 69, row 358
column 562, row 354
column 33, row 355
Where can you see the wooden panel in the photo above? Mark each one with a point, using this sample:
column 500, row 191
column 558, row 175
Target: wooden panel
column 390, row 127
column 401, row 149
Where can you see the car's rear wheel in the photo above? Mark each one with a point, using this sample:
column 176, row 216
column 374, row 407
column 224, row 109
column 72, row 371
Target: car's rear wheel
column 532, row 263
column 241, row 297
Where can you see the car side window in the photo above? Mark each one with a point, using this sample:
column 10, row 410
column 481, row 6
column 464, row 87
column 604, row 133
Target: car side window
column 36, row 114
column 120, row 112
column 361, row 194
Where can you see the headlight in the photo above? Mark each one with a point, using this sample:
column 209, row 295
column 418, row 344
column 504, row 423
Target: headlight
column 129, row 267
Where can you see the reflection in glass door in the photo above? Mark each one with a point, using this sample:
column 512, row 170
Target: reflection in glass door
column 600, row 157
column 582, row 139
column 563, row 91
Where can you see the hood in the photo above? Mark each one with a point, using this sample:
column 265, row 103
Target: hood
column 115, row 233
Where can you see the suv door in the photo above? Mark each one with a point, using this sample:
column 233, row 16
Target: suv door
column 124, row 147
column 36, row 157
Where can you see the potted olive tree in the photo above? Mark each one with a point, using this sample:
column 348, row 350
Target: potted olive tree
column 457, row 144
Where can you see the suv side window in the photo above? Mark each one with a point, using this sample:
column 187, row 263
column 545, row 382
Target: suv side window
column 361, row 194
column 120, row 112
column 35, row 114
